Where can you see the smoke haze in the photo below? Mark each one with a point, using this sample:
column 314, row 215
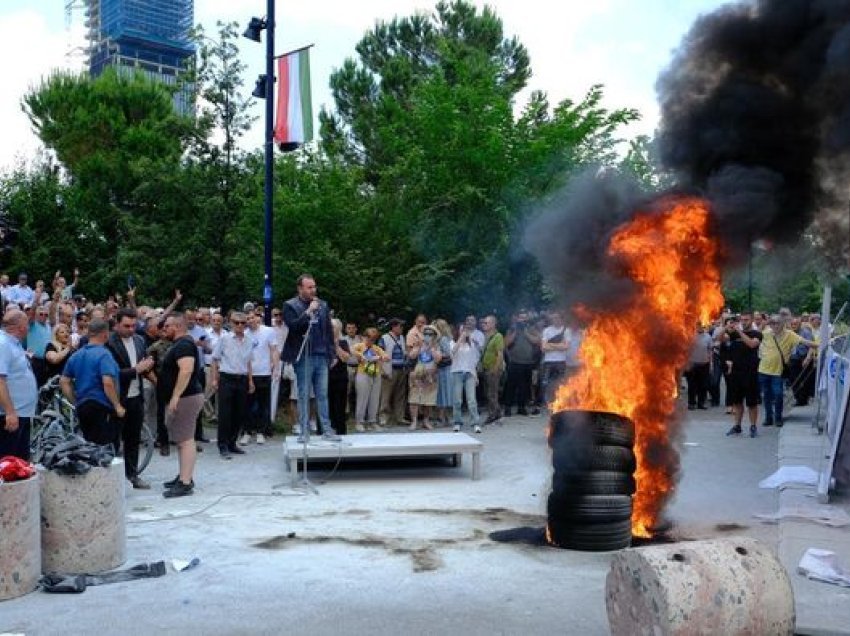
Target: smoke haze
column 756, row 114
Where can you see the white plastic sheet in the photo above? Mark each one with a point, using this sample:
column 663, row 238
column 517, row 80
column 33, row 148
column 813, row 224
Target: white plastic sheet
column 791, row 475
column 822, row 565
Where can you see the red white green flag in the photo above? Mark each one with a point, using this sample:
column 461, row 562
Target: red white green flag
column 294, row 100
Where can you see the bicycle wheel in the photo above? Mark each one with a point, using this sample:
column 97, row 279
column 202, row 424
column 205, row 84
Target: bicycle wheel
column 146, row 441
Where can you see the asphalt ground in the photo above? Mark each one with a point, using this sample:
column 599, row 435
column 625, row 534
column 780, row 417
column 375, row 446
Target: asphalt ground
column 389, row 548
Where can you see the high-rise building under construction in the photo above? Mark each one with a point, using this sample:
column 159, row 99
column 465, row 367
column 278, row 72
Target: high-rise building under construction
column 150, row 36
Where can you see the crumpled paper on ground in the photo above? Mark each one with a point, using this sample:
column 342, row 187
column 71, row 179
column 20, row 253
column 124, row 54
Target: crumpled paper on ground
column 180, row 566
column 824, row 515
column 791, row 475
column 822, row 565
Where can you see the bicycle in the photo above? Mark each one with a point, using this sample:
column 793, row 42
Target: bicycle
column 54, row 410
column 55, row 407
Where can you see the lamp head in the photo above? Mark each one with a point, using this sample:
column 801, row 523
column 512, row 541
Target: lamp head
column 255, row 29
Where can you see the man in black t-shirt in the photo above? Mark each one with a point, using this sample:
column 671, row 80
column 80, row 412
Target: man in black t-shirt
column 742, row 363
column 181, row 385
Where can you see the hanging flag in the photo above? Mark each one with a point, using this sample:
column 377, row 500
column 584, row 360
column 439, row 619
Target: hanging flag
column 294, row 100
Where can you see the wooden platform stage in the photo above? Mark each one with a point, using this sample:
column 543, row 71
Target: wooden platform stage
column 385, row 445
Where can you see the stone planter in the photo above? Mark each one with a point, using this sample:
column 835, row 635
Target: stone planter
column 723, row 586
column 20, row 537
column 83, row 521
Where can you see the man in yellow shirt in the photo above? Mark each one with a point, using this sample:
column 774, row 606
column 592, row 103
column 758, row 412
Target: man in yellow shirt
column 775, row 354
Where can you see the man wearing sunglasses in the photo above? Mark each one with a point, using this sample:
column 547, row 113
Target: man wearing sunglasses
column 231, row 377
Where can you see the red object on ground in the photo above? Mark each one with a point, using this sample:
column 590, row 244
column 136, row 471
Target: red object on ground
column 14, row 468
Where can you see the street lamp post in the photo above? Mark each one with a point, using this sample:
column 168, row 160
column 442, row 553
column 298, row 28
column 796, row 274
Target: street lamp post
column 253, row 33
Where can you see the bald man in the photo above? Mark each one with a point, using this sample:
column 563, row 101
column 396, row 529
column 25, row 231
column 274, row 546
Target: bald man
column 18, row 389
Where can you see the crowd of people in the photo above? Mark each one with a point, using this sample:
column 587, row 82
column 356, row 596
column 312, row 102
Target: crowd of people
column 757, row 357
column 124, row 365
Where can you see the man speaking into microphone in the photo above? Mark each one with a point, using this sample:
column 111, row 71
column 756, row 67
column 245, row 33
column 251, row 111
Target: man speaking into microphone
column 309, row 347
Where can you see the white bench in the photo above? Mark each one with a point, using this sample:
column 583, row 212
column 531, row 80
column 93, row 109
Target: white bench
column 385, row 445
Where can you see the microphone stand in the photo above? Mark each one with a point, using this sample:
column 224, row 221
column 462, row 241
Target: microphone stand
column 305, row 482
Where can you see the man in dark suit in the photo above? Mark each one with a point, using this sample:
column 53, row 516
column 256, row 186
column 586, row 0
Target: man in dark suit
column 128, row 349
column 309, row 347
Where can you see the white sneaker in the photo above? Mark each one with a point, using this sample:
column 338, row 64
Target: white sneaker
column 456, row 428
column 359, row 428
column 296, row 430
column 477, row 428
column 245, row 439
column 313, row 427
column 261, row 439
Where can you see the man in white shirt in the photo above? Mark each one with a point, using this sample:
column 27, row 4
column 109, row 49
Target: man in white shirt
column 555, row 342
column 231, row 377
column 264, row 360
column 214, row 333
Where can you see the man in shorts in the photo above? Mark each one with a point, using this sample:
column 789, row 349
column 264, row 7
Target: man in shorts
column 742, row 382
column 181, row 379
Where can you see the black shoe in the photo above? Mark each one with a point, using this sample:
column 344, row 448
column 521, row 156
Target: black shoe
column 507, row 412
column 235, row 450
column 522, row 412
column 753, row 431
column 735, row 430
column 535, row 411
column 691, row 407
column 173, row 482
column 225, row 454
column 779, row 423
column 180, row 490
column 203, row 440
column 702, row 407
column 768, row 423
column 165, row 451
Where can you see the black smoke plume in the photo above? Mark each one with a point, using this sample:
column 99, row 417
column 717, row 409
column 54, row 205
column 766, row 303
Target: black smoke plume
column 755, row 113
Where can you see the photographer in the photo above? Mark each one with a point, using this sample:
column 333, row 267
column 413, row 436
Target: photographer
column 742, row 361
column 522, row 343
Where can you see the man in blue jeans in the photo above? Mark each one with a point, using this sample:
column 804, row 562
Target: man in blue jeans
column 309, row 347
column 776, row 347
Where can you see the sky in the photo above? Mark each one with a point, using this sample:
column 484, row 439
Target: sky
column 573, row 44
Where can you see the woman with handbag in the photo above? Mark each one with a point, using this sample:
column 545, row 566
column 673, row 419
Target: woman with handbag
column 423, row 383
column 367, row 381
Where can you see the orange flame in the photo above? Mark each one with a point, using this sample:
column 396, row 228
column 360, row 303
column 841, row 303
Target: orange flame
column 632, row 355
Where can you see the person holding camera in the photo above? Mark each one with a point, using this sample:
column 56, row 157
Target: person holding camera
column 523, row 345
column 742, row 362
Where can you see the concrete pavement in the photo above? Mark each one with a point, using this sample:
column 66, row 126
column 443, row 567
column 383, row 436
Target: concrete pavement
column 388, row 549
column 821, row 608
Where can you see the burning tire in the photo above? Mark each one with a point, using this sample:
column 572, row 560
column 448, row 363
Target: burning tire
column 614, row 458
column 590, row 428
column 597, row 482
column 589, row 509
column 597, row 537
column 614, row 430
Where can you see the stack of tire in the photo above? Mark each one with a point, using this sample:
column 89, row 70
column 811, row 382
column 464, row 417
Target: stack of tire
column 590, row 506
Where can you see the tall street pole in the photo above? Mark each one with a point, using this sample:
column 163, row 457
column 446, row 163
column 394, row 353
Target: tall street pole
column 268, row 294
